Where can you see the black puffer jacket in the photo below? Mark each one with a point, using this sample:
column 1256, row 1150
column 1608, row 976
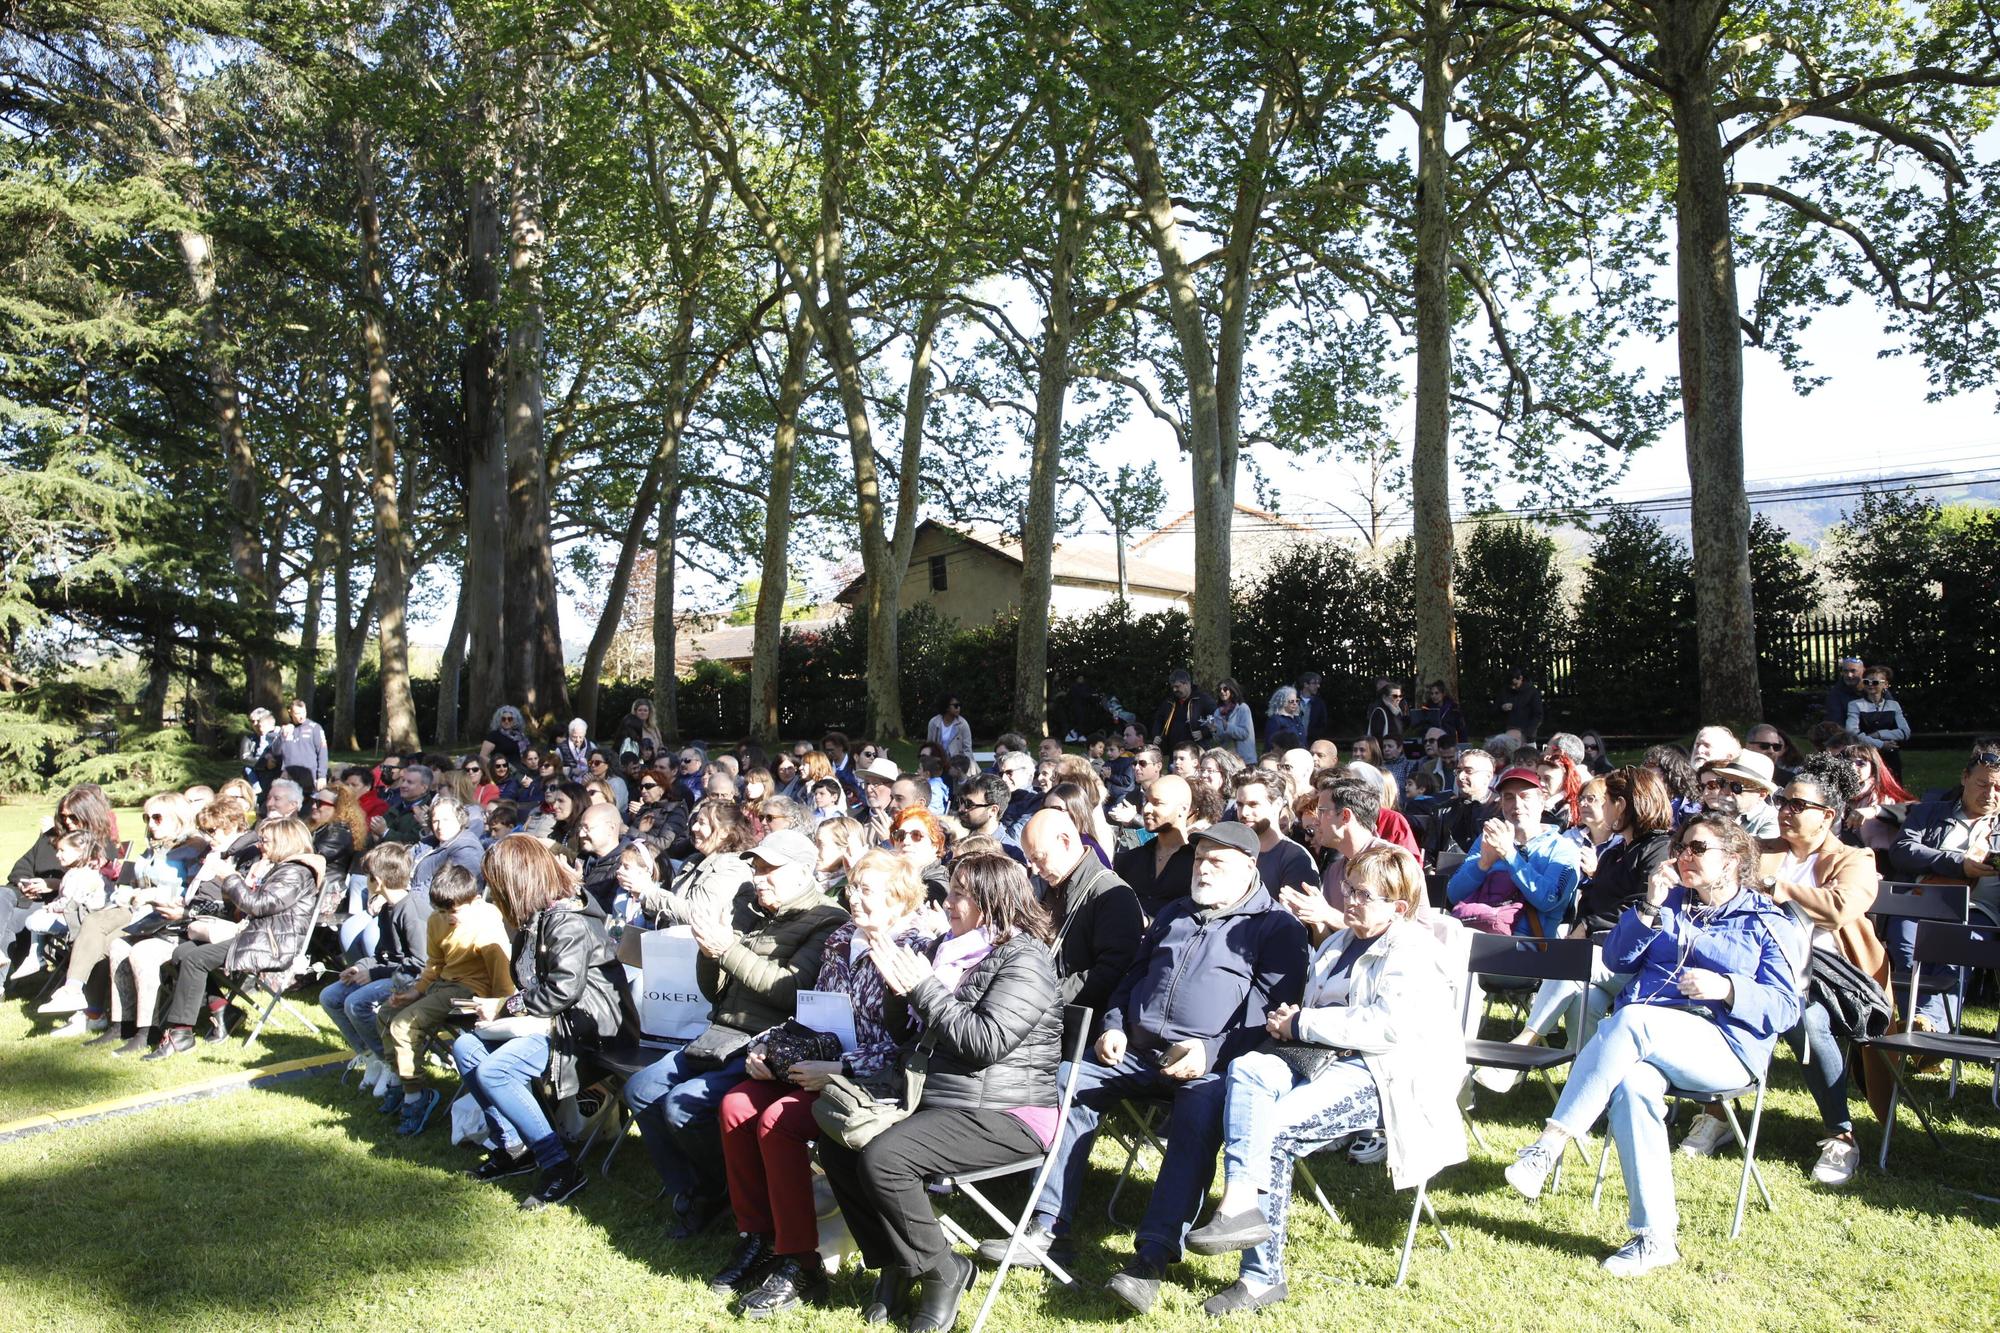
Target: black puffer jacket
column 278, row 914
column 561, row 970
column 1620, row 881
column 333, row 842
column 755, row 983
column 996, row 1040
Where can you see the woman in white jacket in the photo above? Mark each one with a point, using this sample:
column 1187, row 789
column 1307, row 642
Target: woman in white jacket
column 1232, row 724
column 1377, row 1044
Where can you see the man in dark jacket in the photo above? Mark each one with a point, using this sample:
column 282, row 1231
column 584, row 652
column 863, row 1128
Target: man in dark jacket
column 1521, row 706
column 1174, row 723
column 1161, row 869
column 1209, row 969
column 600, row 834
column 1846, row 688
column 1951, row 840
column 1096, row 914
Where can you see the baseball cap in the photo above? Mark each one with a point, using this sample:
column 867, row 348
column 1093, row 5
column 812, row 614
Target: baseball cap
column 1229, row 833
column 1519, row 773
column 786, row 847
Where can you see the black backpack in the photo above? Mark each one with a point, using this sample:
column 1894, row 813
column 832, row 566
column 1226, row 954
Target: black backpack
column 1855, row 1004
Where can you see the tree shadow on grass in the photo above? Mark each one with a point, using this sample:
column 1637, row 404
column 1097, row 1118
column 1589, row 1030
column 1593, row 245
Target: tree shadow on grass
column 44, row 1074
column 182, row 1226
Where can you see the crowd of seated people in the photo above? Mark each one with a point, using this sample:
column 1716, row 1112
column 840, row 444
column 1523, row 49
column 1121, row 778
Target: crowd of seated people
column 1265, row 941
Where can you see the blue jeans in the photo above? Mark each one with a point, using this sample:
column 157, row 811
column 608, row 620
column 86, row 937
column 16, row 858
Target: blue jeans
column 352, row 1009
column 1825, row 1070
column 1271, row 1120
column 500, row 1079
column 1627, row 1066
column 676, row 1110
column 1553, row 999
column 1193, row 1134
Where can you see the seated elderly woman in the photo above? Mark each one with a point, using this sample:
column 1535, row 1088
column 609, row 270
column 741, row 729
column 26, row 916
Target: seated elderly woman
column 988, row 1003
column 767, row 1121
column 278, row 907
column 1713, row 985
column 1375, row 1045
column 917, row 835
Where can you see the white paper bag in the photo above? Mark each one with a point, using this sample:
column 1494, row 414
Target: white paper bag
column 670, row 1001
column 829, row 1011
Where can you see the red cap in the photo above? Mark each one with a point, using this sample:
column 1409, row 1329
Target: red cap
column 1519, row 773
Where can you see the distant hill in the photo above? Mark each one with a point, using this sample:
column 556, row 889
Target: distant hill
column 1807, row 517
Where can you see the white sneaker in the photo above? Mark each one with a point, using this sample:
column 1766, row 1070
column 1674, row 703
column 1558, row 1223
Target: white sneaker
column 68, row 999
column 1708, row 1137
column 1837, row 1159
column 1642, row 1254
column 1530, row 1169
column 385, row 1074
column 1496, row 1080
column 1368, row 1149
column 77, row 1026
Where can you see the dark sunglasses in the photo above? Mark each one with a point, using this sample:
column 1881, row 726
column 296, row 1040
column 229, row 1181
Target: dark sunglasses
column 1984, row 759
column 1874, row 680
column 1792, row 805
column 1775, row 747
column 975, row 805
column 473, row 768
column 650, row 786
column 1733, row 788
column 1695, row 845
column 910, row 835
column 316, row 801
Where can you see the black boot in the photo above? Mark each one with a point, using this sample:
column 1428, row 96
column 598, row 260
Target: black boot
column 944, row 1287
column 890, row 1301
column 794, row 1280
column 746, row 1268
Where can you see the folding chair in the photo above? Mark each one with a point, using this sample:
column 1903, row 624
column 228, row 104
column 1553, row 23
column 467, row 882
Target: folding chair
column 1949, row 945
column 1726, row 1099
column 1560, row 960
column 253, row 988
column 1950, row 903
column 1076, row 1033
column 1420, row 1208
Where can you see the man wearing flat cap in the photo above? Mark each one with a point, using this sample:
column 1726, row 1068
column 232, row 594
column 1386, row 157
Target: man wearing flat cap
column 1209, row 967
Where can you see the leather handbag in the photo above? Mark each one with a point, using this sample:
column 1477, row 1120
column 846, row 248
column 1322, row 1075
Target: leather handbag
column 852, row 1114
column 1307, row 1059
column 715, row 1047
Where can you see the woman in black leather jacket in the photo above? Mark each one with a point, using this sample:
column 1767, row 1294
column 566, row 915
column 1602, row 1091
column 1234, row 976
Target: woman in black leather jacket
column 991, row 1015
column 565, row 1001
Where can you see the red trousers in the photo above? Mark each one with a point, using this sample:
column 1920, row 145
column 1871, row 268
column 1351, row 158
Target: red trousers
column 765, row 1129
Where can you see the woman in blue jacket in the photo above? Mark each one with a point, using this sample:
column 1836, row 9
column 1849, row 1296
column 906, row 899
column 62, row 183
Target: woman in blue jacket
column 1714, row 983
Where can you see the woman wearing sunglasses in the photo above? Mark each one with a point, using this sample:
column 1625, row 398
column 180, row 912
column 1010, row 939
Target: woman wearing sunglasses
column 1715, row 970
column 1828, row 888
column 1878, row 720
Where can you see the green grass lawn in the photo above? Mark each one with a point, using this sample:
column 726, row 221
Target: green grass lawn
column 294, row 1206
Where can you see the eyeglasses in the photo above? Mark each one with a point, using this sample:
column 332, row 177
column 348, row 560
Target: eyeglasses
column 599, row 761
column 317, row 800
column 1984, row 759
column 975, row 805
column 1359, row 897
column 1733, row 788
column 1792, row 805
column 868, row 754
column 1588, row 748
column 1874, row 680
column 1695, row 846
column 650, row 786
column 1775, row 747
column 910, row 835
column 154, row 816
column 473, row 768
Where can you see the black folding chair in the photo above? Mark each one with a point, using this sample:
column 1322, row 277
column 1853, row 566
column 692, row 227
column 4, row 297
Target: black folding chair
column 254, row 989
column 1509, row 956
column 1076, row 1038
column 1947, row 945
column 1948, row 903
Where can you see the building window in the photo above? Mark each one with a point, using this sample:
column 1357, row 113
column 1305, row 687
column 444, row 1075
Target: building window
column 937, row 573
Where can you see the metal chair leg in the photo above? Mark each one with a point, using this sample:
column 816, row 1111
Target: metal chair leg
column 1410, row 1236
column 1603, row 1161
column 1319, row 1196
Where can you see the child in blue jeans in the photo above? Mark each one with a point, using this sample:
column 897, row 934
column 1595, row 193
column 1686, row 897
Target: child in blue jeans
column 400, row 953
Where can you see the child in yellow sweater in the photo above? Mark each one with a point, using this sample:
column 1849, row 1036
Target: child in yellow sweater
column 469, row 958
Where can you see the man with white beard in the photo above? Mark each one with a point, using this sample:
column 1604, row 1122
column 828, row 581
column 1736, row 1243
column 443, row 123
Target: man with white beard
column 1209, row 967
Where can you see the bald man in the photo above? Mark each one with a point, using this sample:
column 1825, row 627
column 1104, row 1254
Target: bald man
column 1325, row 754
column 1096, row 914
column 1161, row 869
column 600, row 835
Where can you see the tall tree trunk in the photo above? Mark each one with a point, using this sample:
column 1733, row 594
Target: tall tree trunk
column 1038, row 526
column 451, row 672
column 399, row 714
column 775, row 574
column 485, row 438
column 159, row 679
column 326, row 550
column 1711, row 362
column 666, row 678
column 1430, row 460
column 588, row 680
column 1214, row 484
column 534, row 634
column 245, row 474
